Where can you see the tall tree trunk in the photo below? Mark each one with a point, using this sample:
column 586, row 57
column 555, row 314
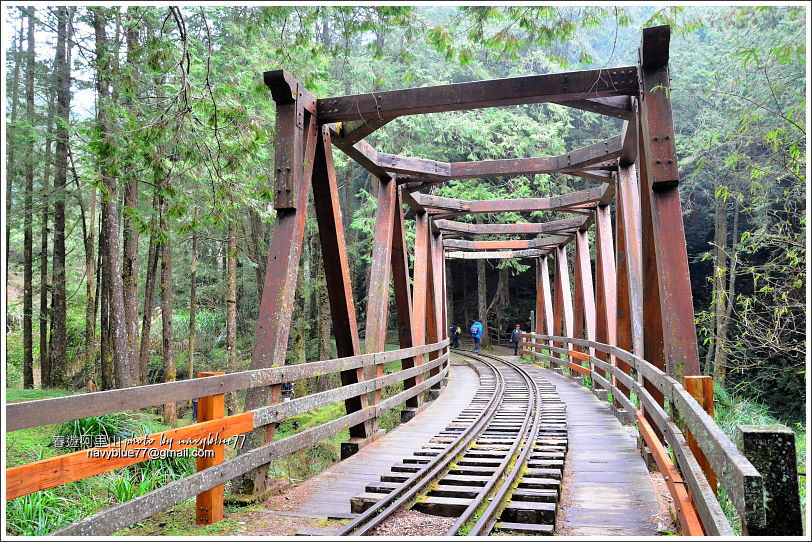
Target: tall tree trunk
column 719, row 273
column 28, row 219
column 149, row 289
column 90, row 274
column 117, row 318
column 130, row 264
column 44, row 358
column 465, row 301
column 11, row 164
column 231, row 309
column 193, row 299
column 482, row 300
column 59, row 340
column 449, row 290
column 170, row 411
column 106, row 346
column 720, row 361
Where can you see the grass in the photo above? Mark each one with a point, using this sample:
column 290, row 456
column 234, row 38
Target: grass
column 14, row 395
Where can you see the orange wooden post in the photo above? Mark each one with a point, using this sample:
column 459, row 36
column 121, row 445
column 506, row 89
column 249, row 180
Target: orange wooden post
column 701, row 389
column 209, row 507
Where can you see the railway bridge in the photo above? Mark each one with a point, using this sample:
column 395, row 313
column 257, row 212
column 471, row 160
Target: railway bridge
column 503, row 445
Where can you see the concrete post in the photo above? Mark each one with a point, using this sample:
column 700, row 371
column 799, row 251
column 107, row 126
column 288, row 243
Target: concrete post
column 771, row 450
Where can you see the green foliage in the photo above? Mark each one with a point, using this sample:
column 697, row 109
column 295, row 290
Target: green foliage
column 112, row 427
column 37, row 514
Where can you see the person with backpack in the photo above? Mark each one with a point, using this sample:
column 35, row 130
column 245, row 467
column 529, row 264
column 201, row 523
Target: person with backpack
column 516, row 338
column 476, row 333
column 454, row 333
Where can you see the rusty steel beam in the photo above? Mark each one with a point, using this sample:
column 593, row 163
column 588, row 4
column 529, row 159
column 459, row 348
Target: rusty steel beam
column 403, row 296
column 615, row 106
column 575, row 85
column 605, row 284
column 351, row 132
column 292, row 100
column 562, row 304
column 566, row 225
column 557, row 203
column 663, row 229
column 544, row 242
column 629, row 269
column 434, row 298
column 532, row 253
column 379, row 274
column 337, row 273
column 584, row 307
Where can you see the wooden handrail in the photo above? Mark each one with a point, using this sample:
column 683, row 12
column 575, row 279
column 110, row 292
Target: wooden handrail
column 743, row 483
column 29, row 478
column 62, row 409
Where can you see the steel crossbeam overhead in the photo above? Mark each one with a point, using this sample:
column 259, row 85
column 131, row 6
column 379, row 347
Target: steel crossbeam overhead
column 569, row 224
column 553, row 87
column 589, row 162
column 438, row 204
column 512, row 244
column 491, row 255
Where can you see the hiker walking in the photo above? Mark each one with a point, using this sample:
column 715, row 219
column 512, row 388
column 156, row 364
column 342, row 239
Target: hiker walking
column 454, row 333
column 476, row 333
column 516, row 338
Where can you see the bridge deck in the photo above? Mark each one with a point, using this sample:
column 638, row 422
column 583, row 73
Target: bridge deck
column 607, row 489
column 330, row 492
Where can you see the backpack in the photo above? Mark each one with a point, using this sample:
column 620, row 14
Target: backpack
column 474, row 329
column 459, row 330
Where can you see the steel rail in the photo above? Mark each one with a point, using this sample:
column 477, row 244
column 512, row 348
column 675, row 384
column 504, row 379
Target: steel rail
column 531, row 415
column 486, row 522
column 416, row 483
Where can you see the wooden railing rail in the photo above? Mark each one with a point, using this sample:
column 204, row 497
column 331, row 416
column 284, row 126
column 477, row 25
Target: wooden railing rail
column 742, row 482
column 62, row 409
column 52, row 472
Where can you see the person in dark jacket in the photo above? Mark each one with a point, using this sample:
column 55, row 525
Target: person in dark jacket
column 516, row 338
column 454, row 333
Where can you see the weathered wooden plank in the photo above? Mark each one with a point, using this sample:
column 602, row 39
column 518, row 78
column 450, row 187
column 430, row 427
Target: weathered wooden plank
column 568, row 224
column 142, row 507
column 512, row 244
column 567, row 86
column 584, row 309
column 61, row 409
column 351, row 132
column 63, row 469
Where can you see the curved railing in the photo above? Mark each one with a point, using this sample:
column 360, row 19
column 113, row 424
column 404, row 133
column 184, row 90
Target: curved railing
column 47, row 473
column 661, row 425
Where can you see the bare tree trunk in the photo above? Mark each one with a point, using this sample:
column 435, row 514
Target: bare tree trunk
column 44, row 358
column 106, row 346
column 90, row 273
column 720, row 363
column 170, row 411
column 117, row 317
column 59, row 340
column 482, row 300
column 193, row 300
column 11, row 164
column 231, row 309
column 130, row 264
column 28, row 218
column 719, row 275
column 149, row 291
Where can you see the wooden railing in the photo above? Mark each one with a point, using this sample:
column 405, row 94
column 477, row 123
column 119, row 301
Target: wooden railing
column 695, row 499
column 213, row 472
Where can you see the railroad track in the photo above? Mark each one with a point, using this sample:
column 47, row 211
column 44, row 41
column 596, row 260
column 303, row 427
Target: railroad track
column 497, row 466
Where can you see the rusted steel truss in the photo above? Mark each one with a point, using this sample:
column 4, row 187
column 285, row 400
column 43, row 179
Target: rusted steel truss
column 634, row 294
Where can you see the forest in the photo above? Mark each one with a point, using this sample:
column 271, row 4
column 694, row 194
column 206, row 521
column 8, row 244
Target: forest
column 139, row 173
